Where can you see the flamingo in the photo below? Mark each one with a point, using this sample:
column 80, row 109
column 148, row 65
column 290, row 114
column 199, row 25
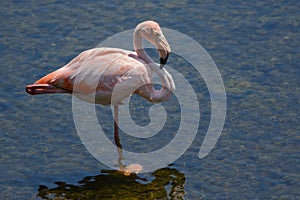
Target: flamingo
column 100, row 70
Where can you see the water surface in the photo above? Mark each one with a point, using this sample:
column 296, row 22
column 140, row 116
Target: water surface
column 255, row 45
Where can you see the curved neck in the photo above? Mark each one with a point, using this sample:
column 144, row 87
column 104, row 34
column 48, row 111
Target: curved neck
column 151, row 93
column 138, row 47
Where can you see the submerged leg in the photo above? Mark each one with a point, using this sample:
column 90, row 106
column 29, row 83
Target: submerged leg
column 116, row 128
column 117, row 138
column 132, row 168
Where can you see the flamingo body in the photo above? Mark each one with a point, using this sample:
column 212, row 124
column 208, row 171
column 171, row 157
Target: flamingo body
column 108, row 75
column 96, row 70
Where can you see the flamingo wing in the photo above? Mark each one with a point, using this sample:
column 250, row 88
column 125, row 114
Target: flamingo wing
column 96, row 71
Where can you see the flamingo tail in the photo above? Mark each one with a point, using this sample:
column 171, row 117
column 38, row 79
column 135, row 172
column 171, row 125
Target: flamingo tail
column 44, row 89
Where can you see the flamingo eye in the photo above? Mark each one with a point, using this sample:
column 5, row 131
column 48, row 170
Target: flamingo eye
column 157, row 35
column 156, row 32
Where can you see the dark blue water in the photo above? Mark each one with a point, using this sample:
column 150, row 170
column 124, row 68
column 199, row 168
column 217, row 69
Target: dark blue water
column 255, row 45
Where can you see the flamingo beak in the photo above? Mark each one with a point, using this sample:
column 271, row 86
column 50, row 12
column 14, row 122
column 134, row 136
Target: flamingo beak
column 164, row 50
column 163, row 61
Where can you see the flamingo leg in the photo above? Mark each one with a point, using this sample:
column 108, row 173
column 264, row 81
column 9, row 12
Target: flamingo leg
column 116, row 128
column 117, row 138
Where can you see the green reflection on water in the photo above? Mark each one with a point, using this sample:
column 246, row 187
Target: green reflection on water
column 111, row 184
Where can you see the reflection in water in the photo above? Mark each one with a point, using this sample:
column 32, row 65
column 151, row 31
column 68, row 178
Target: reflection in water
column 168, row 183
column 112, row 184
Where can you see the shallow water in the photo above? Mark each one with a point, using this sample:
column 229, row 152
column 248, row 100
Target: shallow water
column 256, row 48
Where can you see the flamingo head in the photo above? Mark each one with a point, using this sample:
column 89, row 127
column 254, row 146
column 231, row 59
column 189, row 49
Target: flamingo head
column 152, row 32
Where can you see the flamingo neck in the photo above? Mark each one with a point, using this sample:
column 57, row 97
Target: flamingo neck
column 166, row 79
column 139, row 49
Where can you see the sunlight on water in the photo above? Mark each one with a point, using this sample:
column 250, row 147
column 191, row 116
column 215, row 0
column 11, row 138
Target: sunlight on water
column 256, row 48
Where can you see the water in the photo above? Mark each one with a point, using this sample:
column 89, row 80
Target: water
column 255, row 45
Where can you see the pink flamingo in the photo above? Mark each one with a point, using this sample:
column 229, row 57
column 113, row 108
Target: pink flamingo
column 131, row 70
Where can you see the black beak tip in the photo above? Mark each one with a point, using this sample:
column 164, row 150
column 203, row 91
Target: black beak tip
column 163, row 61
